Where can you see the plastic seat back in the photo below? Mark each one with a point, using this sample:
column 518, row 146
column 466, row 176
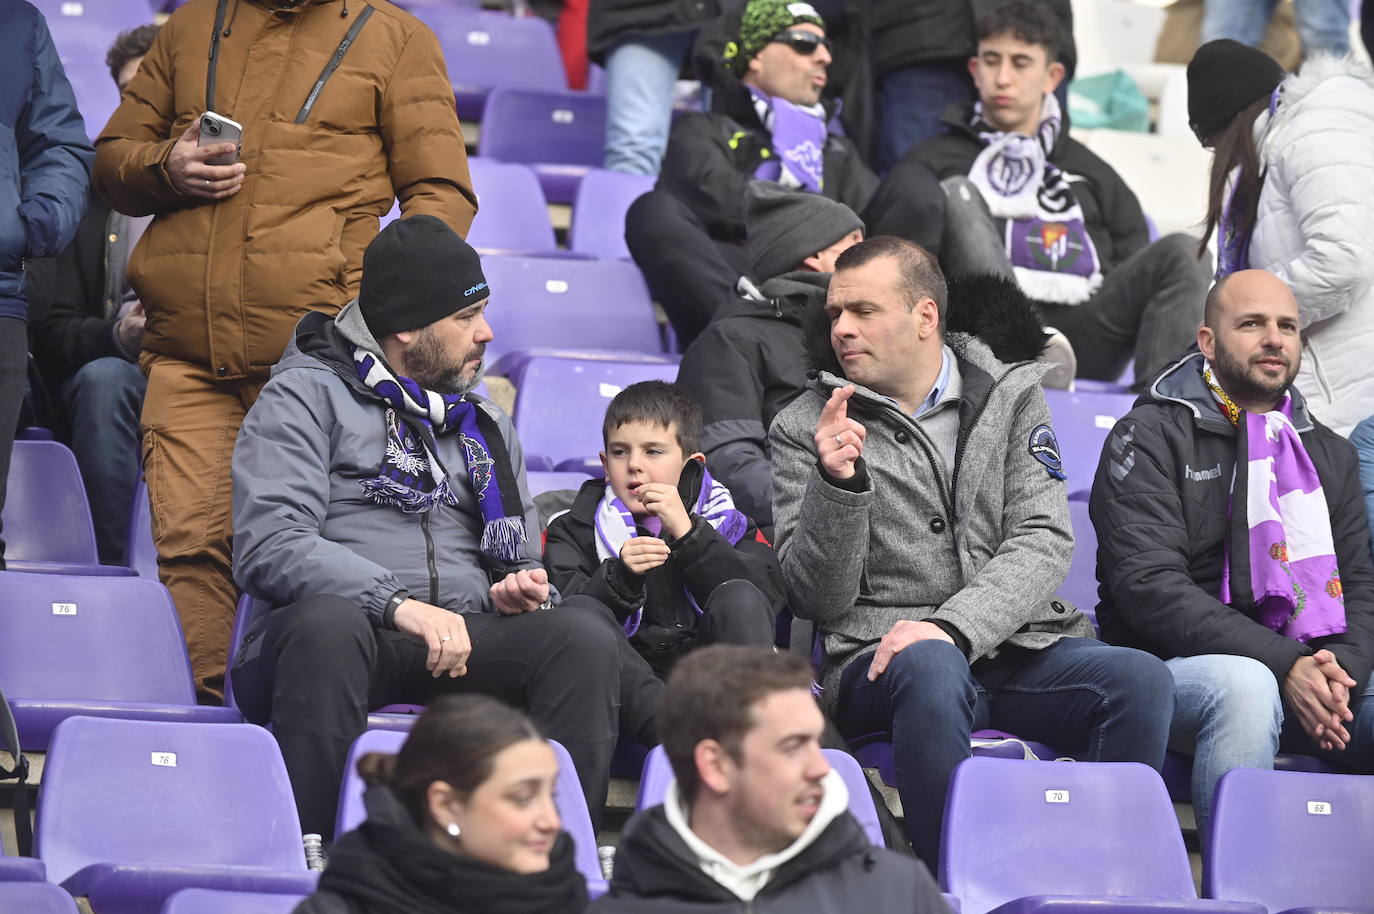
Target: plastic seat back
column 46, row 515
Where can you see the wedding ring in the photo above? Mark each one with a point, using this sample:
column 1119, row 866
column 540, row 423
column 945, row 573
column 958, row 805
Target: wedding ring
column 446, row 638
column 839, row 441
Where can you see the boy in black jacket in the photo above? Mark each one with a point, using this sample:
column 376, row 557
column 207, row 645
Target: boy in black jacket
column 675, row 577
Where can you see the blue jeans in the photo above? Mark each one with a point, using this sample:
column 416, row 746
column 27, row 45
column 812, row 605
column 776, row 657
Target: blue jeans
column 911, row 102
column 104, row 399
column 1080, row 695
column 1323, row 25
column 1363, row 439
column 640, row 77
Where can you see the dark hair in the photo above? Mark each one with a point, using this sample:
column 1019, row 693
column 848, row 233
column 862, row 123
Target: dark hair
column 454, row 740
column 1235, row 145
column 1031, row 22
column 920, row 271
column 709, row 696
column 133, row 43
column 658, row 403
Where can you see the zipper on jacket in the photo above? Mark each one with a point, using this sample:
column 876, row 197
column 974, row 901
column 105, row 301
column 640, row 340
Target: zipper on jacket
column 333, row 64
column 429, row 559
column 964, row 433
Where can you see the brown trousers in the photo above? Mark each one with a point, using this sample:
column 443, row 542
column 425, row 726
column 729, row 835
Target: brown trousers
column 190, row 421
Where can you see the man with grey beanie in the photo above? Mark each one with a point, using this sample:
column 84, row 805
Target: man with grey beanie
column 747, row 364
column 381, row 508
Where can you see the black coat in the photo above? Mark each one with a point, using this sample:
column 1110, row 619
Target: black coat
column 656, row 873
column 711, row 158
column 1111, row 212
column 909, row 33
column 700, row 562
column 1160, row 505
column 610, row 22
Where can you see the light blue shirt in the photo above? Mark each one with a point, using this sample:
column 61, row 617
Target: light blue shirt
column 937, row 391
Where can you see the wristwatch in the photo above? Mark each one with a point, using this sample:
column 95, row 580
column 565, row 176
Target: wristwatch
column 389, row 611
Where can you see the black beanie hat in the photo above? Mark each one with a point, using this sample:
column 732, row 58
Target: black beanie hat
column 1223, row 77
column 787, row 226
column 415, row 272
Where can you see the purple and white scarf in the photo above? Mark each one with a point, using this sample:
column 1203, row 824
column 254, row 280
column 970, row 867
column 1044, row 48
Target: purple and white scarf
column 1294, row 580
column 413, row 479
column 615, row 525
column 797, row 157
column 1046, row 239
column 1233, row 242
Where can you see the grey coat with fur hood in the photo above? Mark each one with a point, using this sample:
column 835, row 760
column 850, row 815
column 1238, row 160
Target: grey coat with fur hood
column 980, row 553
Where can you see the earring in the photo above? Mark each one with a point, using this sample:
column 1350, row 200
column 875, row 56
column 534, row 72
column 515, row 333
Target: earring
column 453, row 830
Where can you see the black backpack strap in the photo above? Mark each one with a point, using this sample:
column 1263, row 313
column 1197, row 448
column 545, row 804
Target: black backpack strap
column 9, row 740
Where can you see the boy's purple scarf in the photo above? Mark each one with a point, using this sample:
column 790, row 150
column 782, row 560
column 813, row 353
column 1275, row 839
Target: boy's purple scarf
column 411, row 476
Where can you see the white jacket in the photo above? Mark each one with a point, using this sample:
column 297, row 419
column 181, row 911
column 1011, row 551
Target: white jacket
column 1315, row 228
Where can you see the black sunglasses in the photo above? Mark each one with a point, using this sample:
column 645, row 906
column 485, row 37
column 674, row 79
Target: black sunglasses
column 804, row 43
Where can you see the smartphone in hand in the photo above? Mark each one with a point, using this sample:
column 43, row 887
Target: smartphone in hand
column 216, row 128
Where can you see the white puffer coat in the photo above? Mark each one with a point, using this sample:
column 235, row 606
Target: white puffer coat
column 1315, row 229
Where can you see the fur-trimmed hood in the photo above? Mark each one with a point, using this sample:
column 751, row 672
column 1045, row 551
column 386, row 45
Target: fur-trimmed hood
column 1303, row 85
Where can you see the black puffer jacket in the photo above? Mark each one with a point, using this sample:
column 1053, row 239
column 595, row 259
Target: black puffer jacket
column 656, row 873
column 711, row 159
column 1111, row 211
column 908, row 33
column 1160, row 504
column 610, row 22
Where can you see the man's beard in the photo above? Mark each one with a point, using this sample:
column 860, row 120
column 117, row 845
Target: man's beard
column 1239, row 381
column 429, row 365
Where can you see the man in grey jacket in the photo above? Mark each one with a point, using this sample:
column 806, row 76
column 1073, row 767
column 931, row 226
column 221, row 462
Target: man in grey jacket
column 382, row 509
column 922, row 523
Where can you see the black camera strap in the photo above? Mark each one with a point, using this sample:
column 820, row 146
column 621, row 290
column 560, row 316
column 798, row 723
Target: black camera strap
column 9, row 741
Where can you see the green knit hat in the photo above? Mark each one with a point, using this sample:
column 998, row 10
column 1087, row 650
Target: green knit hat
column 762, row 20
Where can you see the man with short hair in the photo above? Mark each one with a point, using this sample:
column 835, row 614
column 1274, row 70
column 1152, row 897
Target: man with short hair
column 1233, row 543
column 1023, row 199
column 86, row 329
column 381, row 508
column 754, row 815
column 922, row 522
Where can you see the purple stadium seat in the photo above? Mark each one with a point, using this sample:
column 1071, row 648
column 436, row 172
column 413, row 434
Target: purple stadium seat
column 875, row 750
column 512, row 217
column 21, row 869
column 1080, row 587
column 83, row 30
column 213, row 901
column 1068, row 838
column 1082, row 422
column 572, row 805
column 653, row 786
column 35, row 898
column 561, row 402
column 132, row 811
column 1178, row 771
column 568, row 304
column 390, row 717
column 47, row 520
column 598, row 216
column 104, row 647
column 561, row 134
column 139, row 552
column 1292, row 841
column 548, row 481
column 487, row 50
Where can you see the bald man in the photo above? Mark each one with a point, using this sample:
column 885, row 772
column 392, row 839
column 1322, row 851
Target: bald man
column 1233, row 544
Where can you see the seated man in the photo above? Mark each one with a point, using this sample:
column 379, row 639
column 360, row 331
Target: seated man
column 754, row 818
column 674, row 578
column 769, row 123
column 1023, row 199
column 1232, row 542
column 929, row 554
column 86, row 329
column 382, row 509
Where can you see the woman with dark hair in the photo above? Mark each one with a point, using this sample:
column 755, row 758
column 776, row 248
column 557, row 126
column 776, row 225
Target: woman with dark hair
column 462, row 819
column 1291, row 189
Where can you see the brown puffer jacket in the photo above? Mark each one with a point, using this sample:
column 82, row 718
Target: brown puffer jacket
column 224, row 283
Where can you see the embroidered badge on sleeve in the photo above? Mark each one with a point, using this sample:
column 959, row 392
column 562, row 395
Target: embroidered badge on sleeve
column 1045, row 448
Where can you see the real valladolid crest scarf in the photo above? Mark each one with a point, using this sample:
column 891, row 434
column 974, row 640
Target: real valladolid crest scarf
column 1046, row 239
column 798, row 148
column 615, row 524
column 1294, row 580
column 412, row 477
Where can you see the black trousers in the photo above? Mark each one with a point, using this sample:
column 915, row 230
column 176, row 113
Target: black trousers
column 14, row 361
column 735, row 612
column 316, row 667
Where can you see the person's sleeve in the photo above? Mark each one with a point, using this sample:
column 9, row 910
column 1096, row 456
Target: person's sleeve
column 281, row 488
column 532, row 553
column 1354, row 650
column 698, row 170
column 573, row 567
column 1143, row 558
column 1037, row 545
column 856, row 181
column 706, row 560
column 726, row 384
column 821, row 525
column 54, row 155
column 131, row 152
column 426, row 155
column 64, row 333
column 1126, row 224
column 1324, row 176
